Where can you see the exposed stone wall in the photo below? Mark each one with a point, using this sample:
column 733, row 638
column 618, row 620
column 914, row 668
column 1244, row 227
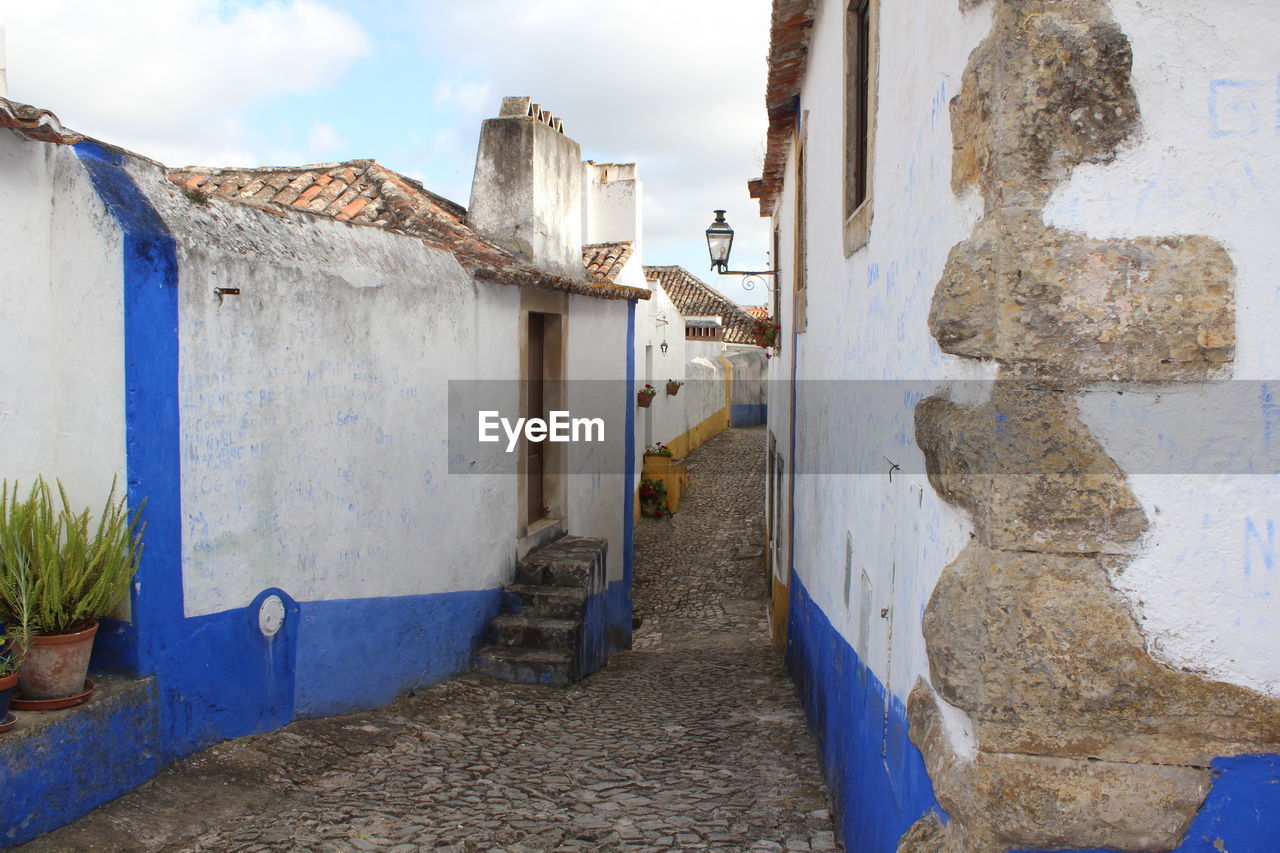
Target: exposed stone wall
column 1077, row 738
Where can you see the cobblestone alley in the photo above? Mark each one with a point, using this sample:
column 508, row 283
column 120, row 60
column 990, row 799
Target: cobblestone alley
column 694, row 740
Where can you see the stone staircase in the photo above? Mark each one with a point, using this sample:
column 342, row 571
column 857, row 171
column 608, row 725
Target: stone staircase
column 553, row 626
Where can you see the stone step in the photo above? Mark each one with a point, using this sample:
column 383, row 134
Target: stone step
column 553, row 626
column 534, row 632
column 553, row 668
column 560, row 602
column 570, row 561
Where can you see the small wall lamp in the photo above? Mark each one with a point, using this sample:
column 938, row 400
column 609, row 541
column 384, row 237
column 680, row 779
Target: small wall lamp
column 720, row 243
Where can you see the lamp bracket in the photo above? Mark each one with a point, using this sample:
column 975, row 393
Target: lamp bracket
column 750, row 277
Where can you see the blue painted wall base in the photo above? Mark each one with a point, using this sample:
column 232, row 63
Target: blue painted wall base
column 363, row 653
column 748, row 414
column 878, row 783
column 56, row 771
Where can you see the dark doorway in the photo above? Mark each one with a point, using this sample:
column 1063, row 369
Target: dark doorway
column 535, row 407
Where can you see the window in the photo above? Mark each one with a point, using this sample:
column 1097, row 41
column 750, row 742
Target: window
column 859, row 120
column 800, row 301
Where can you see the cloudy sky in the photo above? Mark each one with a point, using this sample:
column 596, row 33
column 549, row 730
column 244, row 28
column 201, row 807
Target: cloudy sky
column 676, row 86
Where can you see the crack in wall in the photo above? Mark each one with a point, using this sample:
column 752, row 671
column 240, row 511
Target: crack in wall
column 1083, row 739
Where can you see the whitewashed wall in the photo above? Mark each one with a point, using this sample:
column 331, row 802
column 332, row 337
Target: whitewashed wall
column 1206, row 74
column 597, row 351
column 867, row 320
column 314, row 409
column 62, row 322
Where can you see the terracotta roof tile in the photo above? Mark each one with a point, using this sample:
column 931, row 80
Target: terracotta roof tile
column 788, row 58
column 760, row 312
column 365, row 192
column 605, row 260
column 35, row 123
column 695, row 298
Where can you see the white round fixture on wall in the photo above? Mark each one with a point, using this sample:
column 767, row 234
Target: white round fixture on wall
column 270, row 615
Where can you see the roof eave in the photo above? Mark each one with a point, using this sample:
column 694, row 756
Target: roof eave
column 789, row 33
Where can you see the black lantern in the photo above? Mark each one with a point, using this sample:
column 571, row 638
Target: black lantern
column 663, row 347
column 719, row 242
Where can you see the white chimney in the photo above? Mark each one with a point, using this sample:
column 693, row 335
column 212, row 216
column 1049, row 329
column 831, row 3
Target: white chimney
column 612, row 204
column 4, row 65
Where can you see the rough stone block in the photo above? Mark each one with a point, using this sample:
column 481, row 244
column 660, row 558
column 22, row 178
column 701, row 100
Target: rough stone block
column 1079, row 309
column 1029, row 472
column 1047, row 659
column 999, row 801
column 1047, row 90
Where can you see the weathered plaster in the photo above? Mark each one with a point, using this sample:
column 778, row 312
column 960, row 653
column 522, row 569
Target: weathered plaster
column 1083, row 739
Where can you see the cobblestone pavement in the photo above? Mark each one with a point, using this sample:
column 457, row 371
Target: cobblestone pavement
column 692, row 741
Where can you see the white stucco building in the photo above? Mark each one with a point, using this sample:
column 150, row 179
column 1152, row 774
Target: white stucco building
column 273, row 358
column 965, row 192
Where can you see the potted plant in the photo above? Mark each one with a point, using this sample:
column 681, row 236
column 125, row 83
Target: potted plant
column 76, row 572
column 16, row 602
column 766, row 333
column 658, row 450
column 645, row 396
column 653, row 499
column 12, row 646
column 673, row 387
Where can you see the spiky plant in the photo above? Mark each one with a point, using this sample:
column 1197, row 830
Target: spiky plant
column 17, row 598
column 76, row 573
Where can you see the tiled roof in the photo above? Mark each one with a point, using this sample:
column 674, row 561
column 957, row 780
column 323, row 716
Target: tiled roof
column 695, row 298
column 788, row 56
column 35, row 123
column 760, row 312
column 367, row 193
column 605, row 260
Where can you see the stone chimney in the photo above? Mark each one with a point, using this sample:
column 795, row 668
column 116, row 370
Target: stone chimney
column 527, row 192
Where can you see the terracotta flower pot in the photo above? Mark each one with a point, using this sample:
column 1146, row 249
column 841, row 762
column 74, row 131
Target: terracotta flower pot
column 643, row 400
column 6, row 693
column 56, row 665
column 673, row 389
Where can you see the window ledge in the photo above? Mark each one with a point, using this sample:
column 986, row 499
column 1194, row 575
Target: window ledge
column 857, row 228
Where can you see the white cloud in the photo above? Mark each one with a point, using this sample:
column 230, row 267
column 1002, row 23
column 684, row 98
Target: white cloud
column 324, row 139
column 677, row 86
column 469, row 98
column 173, row 80
column 674, row 85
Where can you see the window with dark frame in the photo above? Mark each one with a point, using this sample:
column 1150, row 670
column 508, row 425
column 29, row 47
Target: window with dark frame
column 858, row 103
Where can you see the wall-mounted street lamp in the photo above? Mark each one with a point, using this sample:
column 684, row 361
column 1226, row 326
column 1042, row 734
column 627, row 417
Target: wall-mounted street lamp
column 661, row 320
column 720, row 243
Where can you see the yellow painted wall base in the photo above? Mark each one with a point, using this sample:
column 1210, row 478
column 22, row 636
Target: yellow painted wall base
column 779, row 604
column 683, row 444
column 673, row 475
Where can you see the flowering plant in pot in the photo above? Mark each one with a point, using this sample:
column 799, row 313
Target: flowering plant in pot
column 658, row 450
column 645, row 396
column 653, row 499
column 77, row 573
column 766, row 332
column 673, row 387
